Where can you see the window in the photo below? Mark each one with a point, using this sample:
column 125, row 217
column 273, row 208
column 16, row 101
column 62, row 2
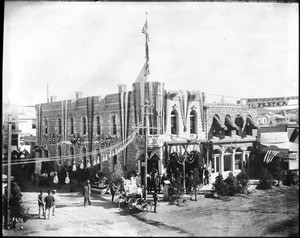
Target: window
column 71, row 125
column 98, row 128
column 153, row 123
column 114, row 126
column 173, row 122
column 59, row 126
column 33, row 126
column 227, row 160
column 45, row 126
column 13, row 125
column 83, row 125
column 238, row 160
column 193, row 117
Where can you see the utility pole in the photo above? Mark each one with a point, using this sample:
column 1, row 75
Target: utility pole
column 8, row 171
column 146, row 113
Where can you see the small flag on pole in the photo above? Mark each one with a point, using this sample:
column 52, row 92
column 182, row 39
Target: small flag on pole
column 145, row 30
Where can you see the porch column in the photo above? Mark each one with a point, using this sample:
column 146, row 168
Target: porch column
column 233, row 161
column 243, row 159
column 222, row 163
column 139, row 166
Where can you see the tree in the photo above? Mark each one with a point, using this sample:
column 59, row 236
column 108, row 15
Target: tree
column 18, row 210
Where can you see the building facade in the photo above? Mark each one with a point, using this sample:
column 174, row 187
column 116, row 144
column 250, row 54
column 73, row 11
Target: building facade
column 106, row 134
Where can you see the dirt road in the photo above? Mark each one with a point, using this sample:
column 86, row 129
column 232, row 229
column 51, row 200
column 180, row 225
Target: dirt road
column 261, row 213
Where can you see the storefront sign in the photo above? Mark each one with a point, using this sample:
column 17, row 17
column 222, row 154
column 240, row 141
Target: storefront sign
column 268, row 102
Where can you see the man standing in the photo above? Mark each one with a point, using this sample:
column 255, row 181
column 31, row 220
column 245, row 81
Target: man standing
column 55, row 201
column 49, row 202
column 41, row 204
column 113, row 189
column 87, row 193
column 206, row 178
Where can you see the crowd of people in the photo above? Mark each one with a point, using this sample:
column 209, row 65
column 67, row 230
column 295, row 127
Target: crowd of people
column 156, row 181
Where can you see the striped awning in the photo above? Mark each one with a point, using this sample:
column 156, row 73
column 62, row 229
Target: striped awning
column 219, row 122
column 231, row 123
column 251, row 123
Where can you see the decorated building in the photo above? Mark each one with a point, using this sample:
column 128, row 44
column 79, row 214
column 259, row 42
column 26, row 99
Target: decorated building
column 108, row 134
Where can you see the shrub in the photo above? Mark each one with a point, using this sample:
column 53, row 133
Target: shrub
column 290, row 178
column 243, row 180
column 232, row 184
column 18, row 210
column 220, row 186
column 265, row 180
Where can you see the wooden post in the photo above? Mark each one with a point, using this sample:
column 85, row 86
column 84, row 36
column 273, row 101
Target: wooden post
column 9, row 172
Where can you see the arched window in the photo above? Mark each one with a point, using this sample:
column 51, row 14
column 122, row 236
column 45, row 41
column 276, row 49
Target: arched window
column 193, row 117
column 71, row 125
column 46, row 126
column 114, row 125
column 84, row 125
column 59, row 126
column 98, row 128
column 174, row 122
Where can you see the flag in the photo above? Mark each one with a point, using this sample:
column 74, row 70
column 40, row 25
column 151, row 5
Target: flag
column 145, row 31
column 142, row 77
column 270, row 155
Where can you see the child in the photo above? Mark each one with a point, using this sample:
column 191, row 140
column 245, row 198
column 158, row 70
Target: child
column 55, row 201
column 41, row 204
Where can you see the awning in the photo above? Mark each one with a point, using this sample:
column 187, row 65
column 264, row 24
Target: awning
column 219, row 122
column 251, row 123
column 231, row 123
column 289, row 146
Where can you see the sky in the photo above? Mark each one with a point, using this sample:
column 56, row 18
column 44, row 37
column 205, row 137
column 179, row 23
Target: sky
column 239, row 50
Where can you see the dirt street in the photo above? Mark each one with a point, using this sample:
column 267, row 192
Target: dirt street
column 261, row 213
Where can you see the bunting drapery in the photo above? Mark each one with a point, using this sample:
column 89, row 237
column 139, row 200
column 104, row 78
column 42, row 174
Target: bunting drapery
column 124, row 100
column 184, row 103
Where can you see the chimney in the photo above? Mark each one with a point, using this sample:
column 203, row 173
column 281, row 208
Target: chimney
column 78, row 94
column 52, row 98
column 121, row 88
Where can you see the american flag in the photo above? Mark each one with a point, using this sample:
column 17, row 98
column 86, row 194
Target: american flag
column 270, row 155
column 145, row 30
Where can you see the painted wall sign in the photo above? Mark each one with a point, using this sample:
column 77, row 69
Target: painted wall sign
column 268, row 102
